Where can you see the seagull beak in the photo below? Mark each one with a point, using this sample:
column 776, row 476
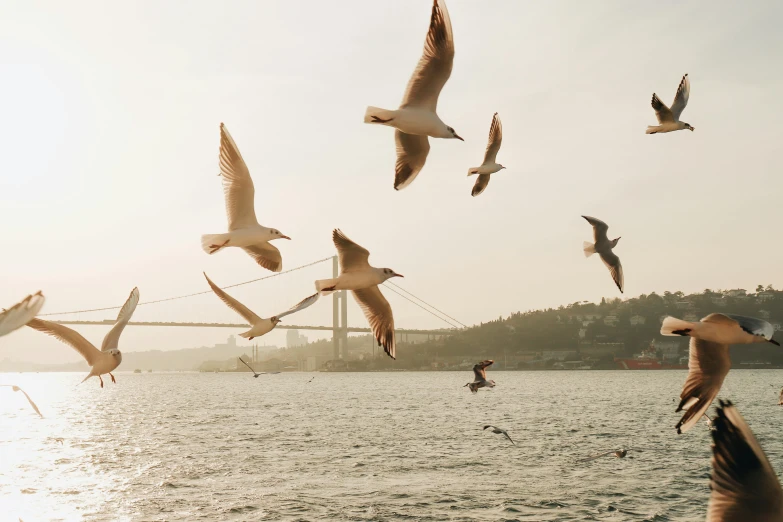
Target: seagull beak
column 693, row 129
column 398, row 275
column 284, row 237
column 458, row 137
column 773, row 341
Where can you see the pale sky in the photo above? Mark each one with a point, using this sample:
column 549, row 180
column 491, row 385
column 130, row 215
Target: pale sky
column 109, row 139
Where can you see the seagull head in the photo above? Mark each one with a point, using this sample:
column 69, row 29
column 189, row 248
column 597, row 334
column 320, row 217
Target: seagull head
column 501, row 167
column 388, row 273
column 615, row 241
column 275, row 320
column 453, row 133
column 277, row 234
column 688, row 126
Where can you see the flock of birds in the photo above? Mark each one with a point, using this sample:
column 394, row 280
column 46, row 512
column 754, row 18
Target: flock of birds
column 744, row 485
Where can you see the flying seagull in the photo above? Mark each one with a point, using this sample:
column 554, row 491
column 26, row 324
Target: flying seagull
column 620, row 454
column 255, row 374
column 18, row 389
column 311, row 380
column 357, row 275
column 108, row 358
column 743, row 484
column 417, row 116
column 490, row 165
column 480, row 376
column 20, row 314
column 243, row 228
column 258, row 326
column 669, row 119
column 499, row 431
column 603, row 245
column 709, row 360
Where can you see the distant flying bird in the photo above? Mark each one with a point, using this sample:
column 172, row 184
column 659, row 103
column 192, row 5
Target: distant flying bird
column 500, row 431
column 620, row 454
column 311, row 380
column 480, row 376
column 669, row 119
column 743, row 484
column 258, row 326
column 251, row 368
column 18, row 389
column 709, row 360
column 417, row 117
column 489, row 166
column 20, row 314
column 243, row 228
column 108, row 358
column 357, row 275
column 603, row 245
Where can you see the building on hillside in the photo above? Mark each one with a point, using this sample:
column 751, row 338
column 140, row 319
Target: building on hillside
column 739, row 292
column 690, row 316
column 598, row 350
column 611, row 320
column 682, row 305
column 558, row 355
column 764, row 314
column 294, row 340
column 765, row 296
column 637, row 319
column 231, row 342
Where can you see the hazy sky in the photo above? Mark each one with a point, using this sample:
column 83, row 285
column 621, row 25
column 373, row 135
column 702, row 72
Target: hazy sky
column 109, row 142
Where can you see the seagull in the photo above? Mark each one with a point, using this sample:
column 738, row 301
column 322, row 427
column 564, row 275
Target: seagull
column 603, row 245
column 743, row 484
column 108, row 358
column 18, row 389
column 243, row 228
column 780, row 399
column 259, row 326
column 255, row 375
column 311, row 380
column 620, row 454
column 709, row 360
column 417, row 117
column 20, row 314
column 499, row 431
column 669, row 119
column 357, row 275
column 489, row 166
column 480, row 379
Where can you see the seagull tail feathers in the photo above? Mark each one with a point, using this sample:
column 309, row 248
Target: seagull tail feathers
column 472, row 171
column 245, row 335
column 673, row 326
column 651, row 129
column 377, row 115
column 322, row 286
column 211, row 243
column 589, row 248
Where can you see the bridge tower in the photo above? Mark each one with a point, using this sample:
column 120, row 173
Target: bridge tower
column 339, row 316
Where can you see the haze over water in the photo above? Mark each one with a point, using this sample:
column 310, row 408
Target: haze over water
column 363, row 446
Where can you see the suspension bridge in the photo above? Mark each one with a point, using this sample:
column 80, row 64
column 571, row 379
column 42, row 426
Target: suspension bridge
column 339, row 327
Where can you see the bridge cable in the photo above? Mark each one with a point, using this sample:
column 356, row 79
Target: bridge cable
column 426, row 310
column 194, row 294
column 426, row 303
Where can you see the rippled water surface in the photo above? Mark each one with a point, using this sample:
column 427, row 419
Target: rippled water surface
column 363, row 446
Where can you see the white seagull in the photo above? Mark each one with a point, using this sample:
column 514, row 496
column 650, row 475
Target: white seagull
column 258, row 326
column 669, row 119
column 108, row 358
column 417, row 117
column 480, row 376
column 20, row 314
column 620, row 454
column 499, row 431
column 490, row 165
column 243, row 228
column 357, row 275
column 709, row 360
column 18, row 389
column 743, row 484
column 603, row 245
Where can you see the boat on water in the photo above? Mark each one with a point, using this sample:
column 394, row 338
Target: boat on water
column 136, row 371
column 648, row 360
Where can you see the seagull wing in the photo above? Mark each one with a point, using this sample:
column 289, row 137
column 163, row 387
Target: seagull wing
column 70, row 337
column 597, row 456
column 19, row 314
column 266, row 255
column 661, row 110
column 708, row 365
column 237, row 184
column 681, row 98
column 112, row 338
column 509, row 437
column 599, row 229
column 251, row 368
column 435, row 65
column 301, row 305
column 481, row 183
column 780, row 399
column 379, row 314
column 480, row 369
column 352, row 256
column 495, row 138
column 412, row 153
column 18, row 389
column 752, row 325
column 612, row 262
column 232, row 303
column 744, row 486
